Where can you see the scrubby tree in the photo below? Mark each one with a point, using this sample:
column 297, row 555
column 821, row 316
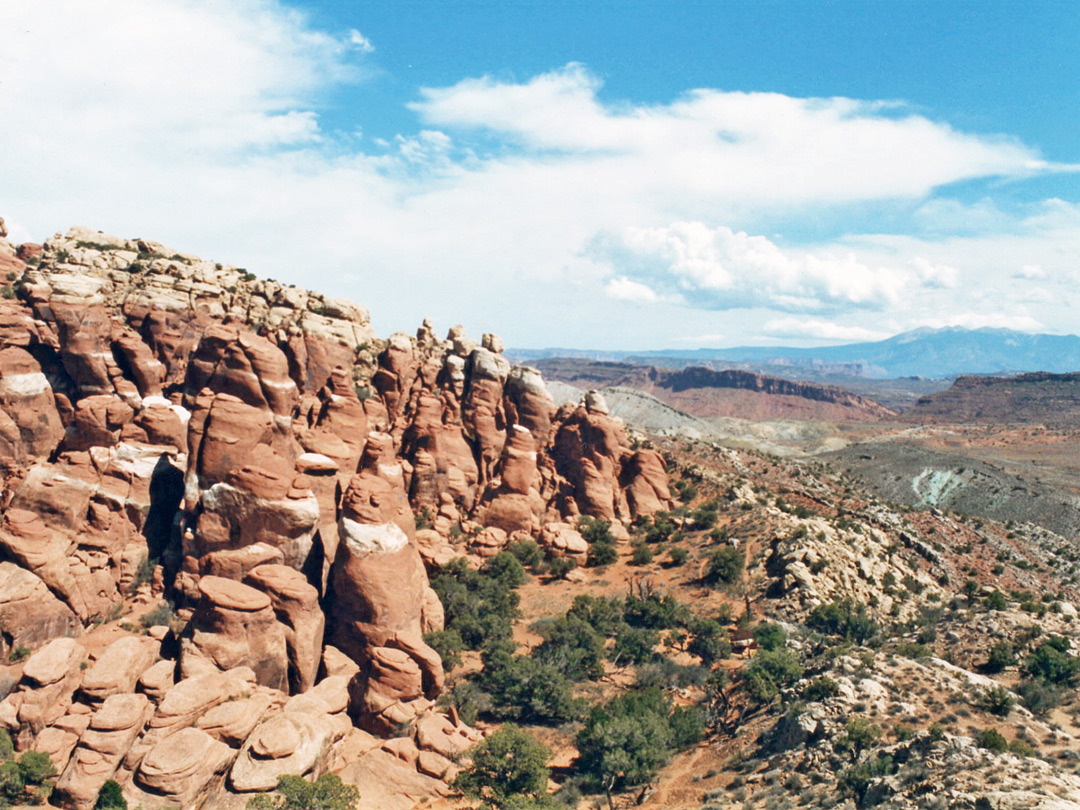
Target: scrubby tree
column 327, row 792
column 626, row 740
column 725, row 566
column 110, row 797
column 508, row 770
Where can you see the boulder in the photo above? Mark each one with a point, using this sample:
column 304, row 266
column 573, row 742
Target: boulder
column 296, row 605
column 234, row 626
column 291, row 743
column 112, row 730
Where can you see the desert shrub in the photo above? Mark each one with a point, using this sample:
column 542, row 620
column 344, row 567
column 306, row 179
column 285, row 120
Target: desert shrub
column 642, row 555
column 327, row 792
column 859, row 735
column 626, row 740
column 666, row 674
column 995, row 601
column 110, row 797
column 448, row 644
column 605, row 615
column 677, row 556
column 769, row 672
column 469, row 699
column 7, row 747
column 858, row 778
column 992, row 740
column 601, row 554
column 820, row 688
column 634, row 645
column 1051, row 662
column 845, row 619
column 36, row 767
column 19, row 654
column 1039, row 697
column 574, row 647
column 687, row 726
column 769, row 636
column 655, row 611
column 1001, row 655
column 505, row 569
column 997, row 700
column 704, row 516
column 708, row 640
column 559, row 567
column 595, row 530
column 529, row 690
column 507, row 767
column 480, row 606
column 663, row 528
column 526, row 552
column 725, row 566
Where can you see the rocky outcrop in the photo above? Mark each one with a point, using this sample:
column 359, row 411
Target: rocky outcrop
column 172, row 428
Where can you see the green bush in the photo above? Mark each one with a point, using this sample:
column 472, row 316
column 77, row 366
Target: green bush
column 992, row 740
column 327, row 792
column 769, row 636
column 820, row 688
column 559, row 567
column 1050, row 662
column 1040, row 697
column 725, row 566
column 634, row 645
column 709, row 640
column 845, row 619
column 595, row 530
column 506, row 767
column 642, row 555
column 677, row 556
column 997, row 700
column 601, row 554
column 769, row 672
column 995, row 601
column 36, row 767
column 110, row 797
column 626, row 740
column 448, row 644
column 604, row 614
column 480, row 606
column 505, row 569
column 574, row 647
column 660, row 612
column 1001, row 655
column 859, row 735
column 529, row 690
column 526, row 552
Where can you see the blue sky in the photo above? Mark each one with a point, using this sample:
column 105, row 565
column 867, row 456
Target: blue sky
column 609, row 175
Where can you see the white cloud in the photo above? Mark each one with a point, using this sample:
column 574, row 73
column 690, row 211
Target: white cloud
column 821, row 330
column 199, row 124
column 717, row 268
column 360, row 42
column 1031, row 272
column 623, row 289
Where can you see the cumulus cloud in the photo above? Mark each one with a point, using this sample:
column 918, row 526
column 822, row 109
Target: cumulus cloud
column 718, row 268
column 623, row 289
column 803, row 328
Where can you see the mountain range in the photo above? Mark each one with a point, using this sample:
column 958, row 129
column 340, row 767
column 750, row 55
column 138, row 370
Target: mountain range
column 923, row 352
